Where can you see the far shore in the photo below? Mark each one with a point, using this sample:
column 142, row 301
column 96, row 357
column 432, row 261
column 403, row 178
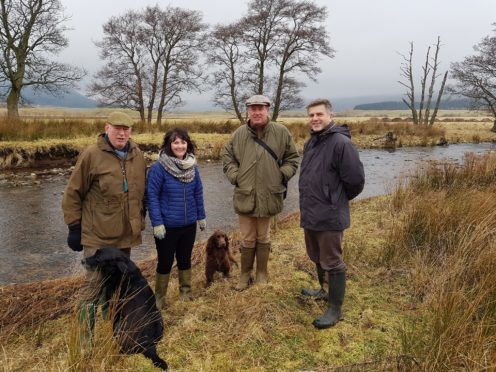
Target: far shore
column 59, row 135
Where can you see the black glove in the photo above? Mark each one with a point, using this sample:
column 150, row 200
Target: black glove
column 74, row 237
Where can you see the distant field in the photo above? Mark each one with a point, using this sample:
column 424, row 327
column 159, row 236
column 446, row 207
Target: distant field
column 46, row 133
column 290, row 116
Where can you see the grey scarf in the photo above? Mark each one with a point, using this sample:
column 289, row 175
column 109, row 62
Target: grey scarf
column 182, row 169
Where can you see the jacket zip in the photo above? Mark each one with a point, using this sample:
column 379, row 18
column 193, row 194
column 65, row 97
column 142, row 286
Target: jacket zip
column 184, row 198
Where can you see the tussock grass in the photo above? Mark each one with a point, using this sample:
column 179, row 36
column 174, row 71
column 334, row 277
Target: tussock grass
column 444, row 239
column 262, row 328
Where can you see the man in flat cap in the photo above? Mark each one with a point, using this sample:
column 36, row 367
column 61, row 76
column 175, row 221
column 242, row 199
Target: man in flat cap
column 103, row 204
column 258, row 160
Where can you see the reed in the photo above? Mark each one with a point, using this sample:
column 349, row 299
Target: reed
column 444, row 238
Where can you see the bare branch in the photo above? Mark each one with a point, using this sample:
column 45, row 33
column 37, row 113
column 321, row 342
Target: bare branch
column 30, row 31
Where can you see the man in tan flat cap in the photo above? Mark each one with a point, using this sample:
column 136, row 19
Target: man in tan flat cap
column 103, row 204
column 259, row 160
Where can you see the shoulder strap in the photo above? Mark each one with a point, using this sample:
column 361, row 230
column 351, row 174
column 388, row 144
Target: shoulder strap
column 269, row 150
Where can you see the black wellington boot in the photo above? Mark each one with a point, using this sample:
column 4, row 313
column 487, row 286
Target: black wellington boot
column 317, row 294
column 337, row 285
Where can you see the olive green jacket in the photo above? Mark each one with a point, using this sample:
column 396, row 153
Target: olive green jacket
column 95, row 196
column 258, row 178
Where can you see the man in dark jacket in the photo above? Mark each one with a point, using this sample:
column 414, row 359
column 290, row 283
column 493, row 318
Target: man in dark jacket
column 331, row 175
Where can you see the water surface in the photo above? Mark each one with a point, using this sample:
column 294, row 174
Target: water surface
column 33, row 233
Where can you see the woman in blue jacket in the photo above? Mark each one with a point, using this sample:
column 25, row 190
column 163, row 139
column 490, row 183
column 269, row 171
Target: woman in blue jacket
column 175, row 205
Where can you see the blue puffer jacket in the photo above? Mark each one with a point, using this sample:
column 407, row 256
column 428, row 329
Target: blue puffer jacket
column 171, row 202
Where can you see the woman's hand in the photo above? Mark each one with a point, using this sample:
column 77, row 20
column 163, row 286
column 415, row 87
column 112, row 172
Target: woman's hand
column 159, row 232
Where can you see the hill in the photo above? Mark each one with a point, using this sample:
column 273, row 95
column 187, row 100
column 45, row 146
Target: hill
column 71, row 99
column 450, row 104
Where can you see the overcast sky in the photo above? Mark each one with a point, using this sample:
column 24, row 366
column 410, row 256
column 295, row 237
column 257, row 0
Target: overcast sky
column 367, row 36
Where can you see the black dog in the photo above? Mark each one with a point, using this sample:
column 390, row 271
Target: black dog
column 137, row 323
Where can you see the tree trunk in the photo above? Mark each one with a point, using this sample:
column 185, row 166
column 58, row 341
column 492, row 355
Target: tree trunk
column 277, row 98
column 423, row 80
column 438, row 102
column 159, row 116
column 13, row 103
column 493, row 129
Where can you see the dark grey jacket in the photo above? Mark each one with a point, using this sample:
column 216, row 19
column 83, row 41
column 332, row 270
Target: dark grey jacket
column 331, row 174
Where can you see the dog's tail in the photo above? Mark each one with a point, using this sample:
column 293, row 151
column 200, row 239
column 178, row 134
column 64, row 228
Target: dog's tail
column 151, row 353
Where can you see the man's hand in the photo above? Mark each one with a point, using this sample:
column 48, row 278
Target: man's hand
column 159, row 232
column 202, row 224
column 74, row 237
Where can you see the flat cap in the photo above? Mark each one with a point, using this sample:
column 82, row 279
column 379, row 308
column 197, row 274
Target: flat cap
column 120, row 118
column 258, row 99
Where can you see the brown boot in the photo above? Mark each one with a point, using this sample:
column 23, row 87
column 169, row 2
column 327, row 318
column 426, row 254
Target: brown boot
column 247, row 259
column 262, row 251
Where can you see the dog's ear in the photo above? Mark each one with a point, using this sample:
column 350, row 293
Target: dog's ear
column 210, row 245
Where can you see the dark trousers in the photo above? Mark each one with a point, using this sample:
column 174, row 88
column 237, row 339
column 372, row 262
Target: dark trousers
column 325, row 248
column 178, row 242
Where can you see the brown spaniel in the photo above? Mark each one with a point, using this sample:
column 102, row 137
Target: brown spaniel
column 219, row 257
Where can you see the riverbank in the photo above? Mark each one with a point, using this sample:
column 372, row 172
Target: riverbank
column 420, row 295
column 264, row 328
column 211, row 135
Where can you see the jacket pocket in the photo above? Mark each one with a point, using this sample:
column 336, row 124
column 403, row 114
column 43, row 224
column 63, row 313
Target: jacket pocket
column 244, row 200
column 333, row 196
column 275, row 202
column 108, row 220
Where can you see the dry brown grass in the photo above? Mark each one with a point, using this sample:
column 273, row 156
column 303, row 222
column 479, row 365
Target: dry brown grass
column 262, row 328
column 444, row 237
column 62, row 134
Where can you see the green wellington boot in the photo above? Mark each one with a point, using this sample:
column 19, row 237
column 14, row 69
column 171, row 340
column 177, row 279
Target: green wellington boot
column 262, row 253
column 86, row 318
column 247, row 260
column 184, row 284
column 337, row 285
column 317, row 294
column 161, row 284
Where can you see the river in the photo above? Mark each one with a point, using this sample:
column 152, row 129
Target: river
column 33, row 235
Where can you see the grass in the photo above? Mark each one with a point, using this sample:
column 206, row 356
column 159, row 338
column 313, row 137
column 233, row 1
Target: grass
column 444, row 238
column 262, row 328
column 62, row 134
column 420, row 295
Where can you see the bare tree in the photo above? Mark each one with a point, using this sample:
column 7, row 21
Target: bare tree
column 303, row 39
column 276, row 43
column 406, row 69
column 476, row 76
column 151, row 59
column 121, row 81
column 262, row 32
column 429, row 69
column 225, row 51
column 31, row 31
column 183, row 43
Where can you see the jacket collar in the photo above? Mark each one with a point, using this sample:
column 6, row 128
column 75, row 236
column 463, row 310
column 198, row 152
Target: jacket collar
column 253, row 132
column 105, row 146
